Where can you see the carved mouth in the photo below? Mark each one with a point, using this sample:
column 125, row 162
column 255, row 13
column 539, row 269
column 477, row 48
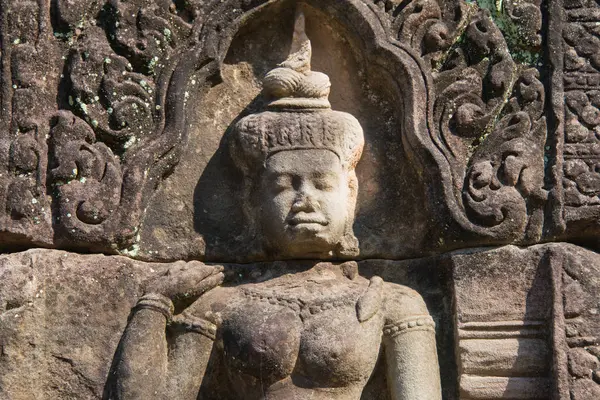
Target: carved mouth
column 307, row 220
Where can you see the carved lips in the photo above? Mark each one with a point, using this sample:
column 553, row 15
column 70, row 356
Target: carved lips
column 305, row 220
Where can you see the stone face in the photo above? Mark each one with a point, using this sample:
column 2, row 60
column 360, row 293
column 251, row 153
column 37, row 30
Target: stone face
column 319, row 332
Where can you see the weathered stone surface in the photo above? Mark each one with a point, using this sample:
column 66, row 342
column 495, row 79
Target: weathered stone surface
column 136, row 99
column 585, row 389
column 576, row 330
column 507, row 302
column 156, row 131
column 61, row 309
column 62, row 316
column 477, row 387
column 575, row 82
column 582, row 364
column 503, row 314
column 510, row 356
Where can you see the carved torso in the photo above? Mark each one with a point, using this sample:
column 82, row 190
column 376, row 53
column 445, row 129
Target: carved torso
column 297, row 334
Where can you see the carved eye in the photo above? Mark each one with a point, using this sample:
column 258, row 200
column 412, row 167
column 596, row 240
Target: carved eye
column 326, row 183
column 282, row 182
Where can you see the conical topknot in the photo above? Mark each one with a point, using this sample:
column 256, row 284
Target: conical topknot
column 292, row 84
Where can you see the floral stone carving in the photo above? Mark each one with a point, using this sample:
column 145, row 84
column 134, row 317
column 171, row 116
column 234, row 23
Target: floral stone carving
column 119, row 102
column 276, row 232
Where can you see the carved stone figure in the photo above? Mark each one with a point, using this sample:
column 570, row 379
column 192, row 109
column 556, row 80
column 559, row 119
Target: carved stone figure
column 136, row 149
column 316, row 333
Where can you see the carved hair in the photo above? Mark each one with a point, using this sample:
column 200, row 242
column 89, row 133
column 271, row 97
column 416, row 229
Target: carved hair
column 298, row 116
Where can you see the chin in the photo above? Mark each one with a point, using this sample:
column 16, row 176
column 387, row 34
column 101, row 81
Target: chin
column 306, row 243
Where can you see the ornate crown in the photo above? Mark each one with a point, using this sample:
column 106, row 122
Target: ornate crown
column 298, row 115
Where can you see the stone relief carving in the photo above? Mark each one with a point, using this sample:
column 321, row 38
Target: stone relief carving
column 116, row 127
column 123, row 124
column 490, row 130
column 428, row 26
column 580, row 176
column 481, row 94
column 316, row 333
column 27, row 97
column 577, row 81
column 498, row 127
column 576, row 325
column 127, row 66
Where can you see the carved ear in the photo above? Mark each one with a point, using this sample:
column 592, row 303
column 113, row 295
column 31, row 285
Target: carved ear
column 348, row 245
column 371, row 301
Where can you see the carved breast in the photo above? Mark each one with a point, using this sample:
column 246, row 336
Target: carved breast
column 310, row 333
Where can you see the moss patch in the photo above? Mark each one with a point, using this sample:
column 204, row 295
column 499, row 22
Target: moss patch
column 518, row 39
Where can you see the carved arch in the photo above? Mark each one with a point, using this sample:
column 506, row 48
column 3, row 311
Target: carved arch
column 471, row 118
column 127, row 184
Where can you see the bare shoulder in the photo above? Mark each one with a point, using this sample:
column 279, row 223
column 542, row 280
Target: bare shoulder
column 401, row 302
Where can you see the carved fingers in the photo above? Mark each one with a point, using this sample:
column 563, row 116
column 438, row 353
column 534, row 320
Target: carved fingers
column 185, row 281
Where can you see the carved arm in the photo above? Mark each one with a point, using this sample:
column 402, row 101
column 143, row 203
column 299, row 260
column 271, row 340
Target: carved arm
column 141, row 359
column 410, row 349
column 147, row 368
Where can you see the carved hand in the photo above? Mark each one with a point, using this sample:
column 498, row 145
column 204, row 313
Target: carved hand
column 186, row 281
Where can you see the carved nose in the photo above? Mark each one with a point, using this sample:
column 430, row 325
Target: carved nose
column 303, row 203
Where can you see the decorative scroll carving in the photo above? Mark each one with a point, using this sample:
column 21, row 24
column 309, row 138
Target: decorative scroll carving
column 473, row 88
column 118, row 103
column 87, row 175
column 487, row 132
column 125, row 123
column 118, row 125
column 490, row 129
column 27, row 96
column 505, row 173
column 428, row 26
column 526, row 20
column 120, row 114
